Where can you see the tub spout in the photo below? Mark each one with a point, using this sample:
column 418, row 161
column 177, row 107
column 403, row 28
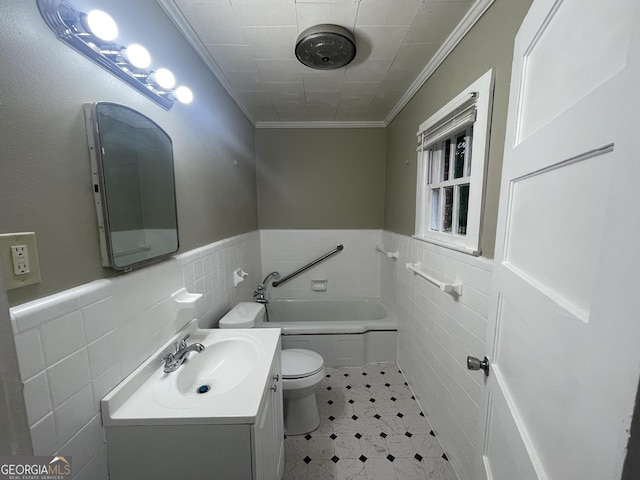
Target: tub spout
column 259, row 292
column 266, row 279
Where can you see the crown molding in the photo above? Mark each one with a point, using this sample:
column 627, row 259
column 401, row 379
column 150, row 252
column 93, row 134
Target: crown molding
column 372, row 124
column 468, row 21
column 476, row 11
column 177, row 17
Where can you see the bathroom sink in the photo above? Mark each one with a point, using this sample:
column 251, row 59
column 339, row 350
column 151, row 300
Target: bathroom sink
column 220, row 367
column 222, row 384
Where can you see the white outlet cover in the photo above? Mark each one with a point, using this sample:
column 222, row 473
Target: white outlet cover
column 9, row 259
column 20, row 257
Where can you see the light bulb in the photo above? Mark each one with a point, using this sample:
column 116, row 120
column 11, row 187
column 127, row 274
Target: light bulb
column 137, row 55
column 163, row 78
column 102, row 25
column 184, row 94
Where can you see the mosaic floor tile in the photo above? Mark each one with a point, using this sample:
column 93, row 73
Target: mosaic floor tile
column 438, row 468
column 351, row 469
column 295, row 470
column 373, row 446
column 380, row 469
column 409, row 469
column 371, row 428
column 322, row 470
column 320, row 447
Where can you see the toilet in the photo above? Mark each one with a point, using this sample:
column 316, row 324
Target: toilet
column 302, row 372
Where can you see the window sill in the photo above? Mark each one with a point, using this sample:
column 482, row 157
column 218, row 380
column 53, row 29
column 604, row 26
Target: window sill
column 450, row 246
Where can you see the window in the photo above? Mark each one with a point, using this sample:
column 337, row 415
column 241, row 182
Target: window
column 452, row 150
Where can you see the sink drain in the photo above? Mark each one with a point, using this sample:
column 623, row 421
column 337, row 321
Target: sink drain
column 203, row 389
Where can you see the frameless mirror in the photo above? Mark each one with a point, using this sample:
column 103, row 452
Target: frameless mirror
column 133, row 184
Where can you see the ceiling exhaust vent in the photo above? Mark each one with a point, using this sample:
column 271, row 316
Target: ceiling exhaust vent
column 325, row 47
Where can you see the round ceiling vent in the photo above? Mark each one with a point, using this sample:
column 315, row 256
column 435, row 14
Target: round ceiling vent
column 325, row 47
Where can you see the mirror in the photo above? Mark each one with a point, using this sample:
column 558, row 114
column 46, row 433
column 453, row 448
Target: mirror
column 133, row 184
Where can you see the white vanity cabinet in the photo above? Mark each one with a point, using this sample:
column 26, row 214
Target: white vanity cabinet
column 268, row 431
column 243, row 447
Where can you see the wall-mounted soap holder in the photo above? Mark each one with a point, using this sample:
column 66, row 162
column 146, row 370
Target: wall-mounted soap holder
column 319, row 285
column 184, row 306
column 238, row 276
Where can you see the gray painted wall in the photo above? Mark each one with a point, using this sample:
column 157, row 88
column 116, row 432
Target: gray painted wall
column 45, row 183
column 489, row 44
column 320, row 178
column 15, row 438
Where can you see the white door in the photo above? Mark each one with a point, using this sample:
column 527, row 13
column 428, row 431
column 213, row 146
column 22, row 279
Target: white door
column 564, row 343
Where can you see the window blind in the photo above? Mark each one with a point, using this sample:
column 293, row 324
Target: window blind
column 461, row 117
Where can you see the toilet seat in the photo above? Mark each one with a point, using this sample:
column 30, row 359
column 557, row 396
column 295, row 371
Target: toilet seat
column 300, row 363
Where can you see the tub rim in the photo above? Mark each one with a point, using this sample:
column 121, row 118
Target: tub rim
column 330, row 327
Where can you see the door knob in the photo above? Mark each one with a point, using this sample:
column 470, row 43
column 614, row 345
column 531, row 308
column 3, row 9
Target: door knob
column 474, row 363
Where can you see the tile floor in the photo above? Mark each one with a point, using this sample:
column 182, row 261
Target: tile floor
column 371, row 428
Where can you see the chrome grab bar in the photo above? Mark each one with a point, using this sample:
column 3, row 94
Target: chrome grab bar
column 307, row 266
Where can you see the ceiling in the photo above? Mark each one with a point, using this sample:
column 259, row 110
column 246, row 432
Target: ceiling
column 249, row 46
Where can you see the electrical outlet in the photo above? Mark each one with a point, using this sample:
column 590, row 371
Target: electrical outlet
column 19, row 257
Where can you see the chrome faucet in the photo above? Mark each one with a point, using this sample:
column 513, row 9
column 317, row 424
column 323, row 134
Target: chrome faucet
column 259, row 292
column 172, row 361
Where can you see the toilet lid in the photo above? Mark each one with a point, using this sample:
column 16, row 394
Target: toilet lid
column 297, row 363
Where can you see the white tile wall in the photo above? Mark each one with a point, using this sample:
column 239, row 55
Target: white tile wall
column 36, row 393
column 352, row 273
column 209, row 270
column 75, row 346
column 436, row 333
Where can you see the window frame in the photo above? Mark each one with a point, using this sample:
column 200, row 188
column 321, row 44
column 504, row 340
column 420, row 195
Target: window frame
column 434, row 156
column 471, row 108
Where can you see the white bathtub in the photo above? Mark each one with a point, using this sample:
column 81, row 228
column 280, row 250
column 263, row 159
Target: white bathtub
column 345, row 332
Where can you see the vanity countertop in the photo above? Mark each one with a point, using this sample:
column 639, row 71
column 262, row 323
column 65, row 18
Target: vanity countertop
column 233, row 368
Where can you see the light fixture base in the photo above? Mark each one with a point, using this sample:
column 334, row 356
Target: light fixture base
column 325, row 47
column 62, row 18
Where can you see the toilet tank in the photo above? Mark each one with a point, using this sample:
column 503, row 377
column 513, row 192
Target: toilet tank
column 243, row 315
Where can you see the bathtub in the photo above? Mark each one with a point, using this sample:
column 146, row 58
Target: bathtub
column 347, row 332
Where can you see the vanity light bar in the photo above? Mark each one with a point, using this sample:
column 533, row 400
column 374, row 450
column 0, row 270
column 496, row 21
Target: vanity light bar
column 93, row 35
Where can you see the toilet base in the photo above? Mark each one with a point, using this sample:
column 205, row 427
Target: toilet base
column 300, row 414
